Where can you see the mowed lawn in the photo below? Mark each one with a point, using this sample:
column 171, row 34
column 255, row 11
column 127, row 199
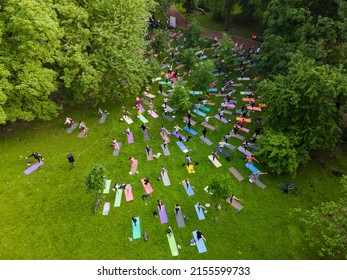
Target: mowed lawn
column 49, row 213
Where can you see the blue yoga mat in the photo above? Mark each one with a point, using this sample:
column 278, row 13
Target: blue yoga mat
column 136, row 229
column 212, row 90
column 191, row 131
column 204, row 108
column 189, row 190
column 182, row 147
column 200, row 244
column 252, row 168
column 199, row 113
column 199, row 212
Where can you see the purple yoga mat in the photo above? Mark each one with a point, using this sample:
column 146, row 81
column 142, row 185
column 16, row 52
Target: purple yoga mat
column 221, row 119
column 141, row 108
column 162, row 215
column 33, row 167
column 130, row 138
column 177, row 134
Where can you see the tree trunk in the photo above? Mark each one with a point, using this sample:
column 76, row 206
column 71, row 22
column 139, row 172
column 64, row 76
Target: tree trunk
column 228, row 4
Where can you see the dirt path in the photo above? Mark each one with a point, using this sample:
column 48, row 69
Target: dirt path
column 182, row 22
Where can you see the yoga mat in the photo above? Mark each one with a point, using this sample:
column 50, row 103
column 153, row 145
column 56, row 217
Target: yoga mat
column 244, row 129
column 107, row 186
column 149, row 155
column 208, row 102
column 139, row 106
column 136, row 229
column 180, row 66
column 192, row 122
column 72, row 128
column 169, row 75
column 179, row 219
column 252, row 146
column 148, row 187
column 258, row 183
column 33, row 167
column 237, row 136
column 204, row 108
column 189, row 189
column 210, row 127
column 134, row 168
column 118, row 198
column 169, row 118
column 116, row 151
column 221, row 151
column 103, row 118
column 205, row 140
column 149, row 95
column 153, row 114
column 165, row 137
column 212, row 90
column 165, row 179
column 244, row 79
column 253, row 109
column 202, row 57
column 163, row 215
column 235, row 204
column 145, row 101
column 172, row 244
column 191, row 131
column 251, row 167
column 146, row 135
column 177, row 134
column 226, row 111
column 156, row 79
column 165, row 83
column 128, row 192
column 130, row 138
column 262, row 105
column 190, row 168
column 164, row 66
column 142, row 118
column 229, row 146
column 246, row 99
column 128, row 120
column 237, row 175
column 168, row 108
column 215, row 161
column 221, row 119
column 173, row 80
column 246, row 120
column 200, row 244
column 199, row 212
column 201, row 114
column 195, row 92
column 219, row 74
column 228, row 105
column 238, row 85
column 106, row 209
column 242, row 150
column 182, row 147
column 83, row 133
column 165, row 151
column 245, row 92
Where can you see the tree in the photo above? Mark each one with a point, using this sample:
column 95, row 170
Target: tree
column 324, row 228
column 95, row 180
column 181, row 97
column 226, row 46
column 278, row 153
column 188, row 58
column 195, row 37
column 159, row 44
column 219, row 186
column 314, row 29
column 202, row 74
column 302, row 106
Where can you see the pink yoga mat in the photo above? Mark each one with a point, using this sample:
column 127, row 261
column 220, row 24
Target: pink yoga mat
column 235, row 204
column 149, row 155
column 153, row 114
column 128, row 194
column 148, row 187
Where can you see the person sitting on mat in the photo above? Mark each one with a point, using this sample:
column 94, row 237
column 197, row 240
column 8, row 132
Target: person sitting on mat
column 36, row 156
column 177, row 208
column 128, row 130
column 148, row 149
column 187, row 182
column 199, row 235
column 82, row 125
column 146, row 181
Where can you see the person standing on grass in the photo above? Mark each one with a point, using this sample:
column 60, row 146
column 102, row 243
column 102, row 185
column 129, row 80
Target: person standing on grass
column 177, row 208
column 188, row 160
column 204, row 131
column 69, row 121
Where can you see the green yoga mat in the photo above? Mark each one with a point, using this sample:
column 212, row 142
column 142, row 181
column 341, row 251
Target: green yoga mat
column 244, row 92
column 118, row 199
column 136, row 229
column 107, row 186
column 142, row 118
column 165, row 83
column 173, row 245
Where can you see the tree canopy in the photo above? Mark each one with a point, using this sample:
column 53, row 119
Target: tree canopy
column 76, row 49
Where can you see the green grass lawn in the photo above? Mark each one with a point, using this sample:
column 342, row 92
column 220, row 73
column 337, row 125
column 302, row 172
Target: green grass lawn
column 49, row 214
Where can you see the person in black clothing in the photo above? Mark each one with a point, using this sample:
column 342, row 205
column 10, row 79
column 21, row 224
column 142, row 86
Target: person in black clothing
column 199, row 235
column 204, row 131
column 257, row 131
column 161, row 88
column 143, row 126
column 134, row 220
column 189, row 115
column 36, row 156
